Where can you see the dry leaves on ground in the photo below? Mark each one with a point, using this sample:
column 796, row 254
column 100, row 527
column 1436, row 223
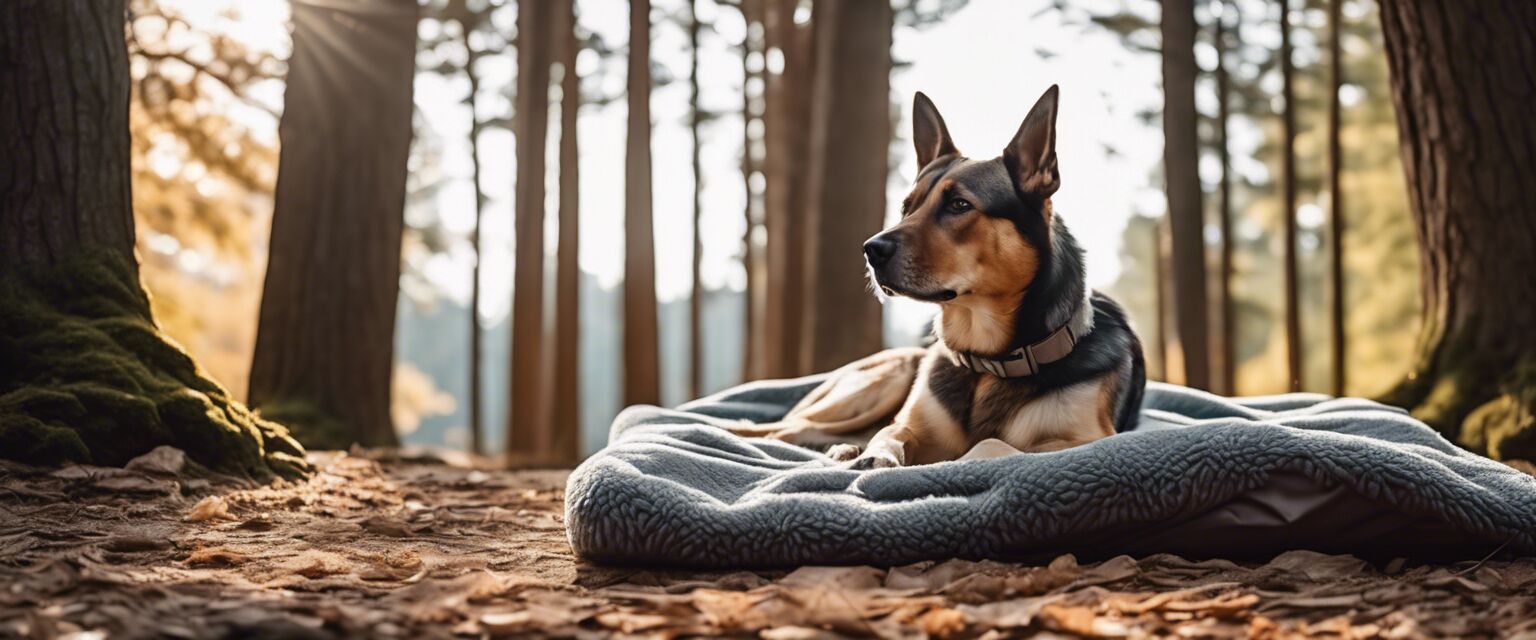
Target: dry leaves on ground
column 392, row 546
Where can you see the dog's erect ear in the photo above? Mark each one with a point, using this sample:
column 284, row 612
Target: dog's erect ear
column 928, row 132
column 1031, row 156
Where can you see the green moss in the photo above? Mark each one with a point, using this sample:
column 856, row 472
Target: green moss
column 86, row 376
column 309, row 424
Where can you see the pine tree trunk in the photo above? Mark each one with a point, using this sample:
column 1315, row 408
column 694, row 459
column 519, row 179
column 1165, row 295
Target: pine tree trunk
column 1227, row 342
column 527, row 433
column 324, row 353
column 1462, row 84
column 642, row 368
column 567, row 360
column 850, row 139
column 1293, row 344
column 476, row 331
column 751, row 335
column 787, row 123
column 64, row 123
column 1181, row 166
column 696, row 299
column 1336, row 194
column 85, row 374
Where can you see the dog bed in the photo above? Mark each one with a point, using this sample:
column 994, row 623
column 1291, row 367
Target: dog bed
column 1200, row 476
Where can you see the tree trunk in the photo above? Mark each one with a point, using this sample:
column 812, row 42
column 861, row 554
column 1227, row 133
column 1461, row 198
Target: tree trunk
column 1228, row 336
column 850, row 138
column 1461, row 83
column 476, row 331
column 696, row 299
column 1160, row 280
column 85, row 374
column 66, row 189
column 787, row 123
column 1293, row 345
column 751, row 335
column 325, row 343
column 1336, row 193
column 642, row 368
column 527, row 432
column 567, row 360
column 1181, row 165
column 753, row 261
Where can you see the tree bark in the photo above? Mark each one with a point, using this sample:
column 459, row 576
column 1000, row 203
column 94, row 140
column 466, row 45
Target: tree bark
column 325, row 344
column 527, row 432
column 64, row 111
column 1228, row 337
column 1293, row 345
column 850, row 138
column 567, row 360
column 1461, row 83
column 85, row 374
column 787, row 122
column 1336, row 193
column 642, row 369
column 751, row 336
column 476, row 331
column 1181, row 162
column 696, row 298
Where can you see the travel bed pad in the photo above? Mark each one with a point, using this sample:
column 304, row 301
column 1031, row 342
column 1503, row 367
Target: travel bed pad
column 1199, row 476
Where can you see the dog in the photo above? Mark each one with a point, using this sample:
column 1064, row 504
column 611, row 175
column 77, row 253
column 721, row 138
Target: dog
column 1026, row 358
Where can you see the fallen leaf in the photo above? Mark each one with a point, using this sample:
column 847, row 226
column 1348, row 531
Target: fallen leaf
column 165, row 460
column 1019, row 612
column 942, row 622
column 138, row 484
column 1111, row 570
column 210, row 508
column 216, row 557
column 631, row 622
column 134, row 544
column 1346, row 601
column 1081, row 621
column 731, row 609
column 387, row 526
column 1455, row 580
column 835, row 577
column 1319, row 567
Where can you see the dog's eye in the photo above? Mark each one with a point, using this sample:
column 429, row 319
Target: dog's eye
column 959, row 205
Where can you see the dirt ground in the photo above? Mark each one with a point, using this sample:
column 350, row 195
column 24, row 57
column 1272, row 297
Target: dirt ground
column 379, row 546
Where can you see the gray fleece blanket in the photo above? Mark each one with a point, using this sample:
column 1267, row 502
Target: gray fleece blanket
column 1200, row 476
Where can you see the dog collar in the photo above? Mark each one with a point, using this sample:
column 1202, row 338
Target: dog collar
column 1026, row 360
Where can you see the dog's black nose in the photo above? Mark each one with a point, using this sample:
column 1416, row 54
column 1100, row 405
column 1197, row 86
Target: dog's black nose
column 879, row 249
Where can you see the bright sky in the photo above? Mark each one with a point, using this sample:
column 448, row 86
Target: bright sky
column 984, row 67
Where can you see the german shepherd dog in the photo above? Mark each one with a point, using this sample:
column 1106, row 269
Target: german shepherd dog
column 1026, row 358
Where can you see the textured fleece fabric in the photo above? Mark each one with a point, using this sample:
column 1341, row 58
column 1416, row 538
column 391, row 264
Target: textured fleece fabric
column 1200, row 475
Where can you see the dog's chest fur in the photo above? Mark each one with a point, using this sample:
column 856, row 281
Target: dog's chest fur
column 1015, row 411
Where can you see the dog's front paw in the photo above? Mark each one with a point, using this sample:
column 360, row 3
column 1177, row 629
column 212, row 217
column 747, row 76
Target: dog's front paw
column 844, row 452
column 873, row 461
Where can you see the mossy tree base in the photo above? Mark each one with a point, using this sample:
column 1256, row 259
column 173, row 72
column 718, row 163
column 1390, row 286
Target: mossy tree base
column 1483, row 401
column 87, row 377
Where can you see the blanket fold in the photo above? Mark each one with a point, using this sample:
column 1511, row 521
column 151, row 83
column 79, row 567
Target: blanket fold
column 1200, row 476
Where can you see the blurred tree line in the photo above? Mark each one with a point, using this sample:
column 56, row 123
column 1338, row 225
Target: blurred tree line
column 1381, row 270
column 1305, row 288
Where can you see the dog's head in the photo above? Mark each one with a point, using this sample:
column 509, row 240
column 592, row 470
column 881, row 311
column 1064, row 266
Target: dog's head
column 971, row 227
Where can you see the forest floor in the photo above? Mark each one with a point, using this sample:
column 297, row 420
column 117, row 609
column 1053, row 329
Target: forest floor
column 378, row 546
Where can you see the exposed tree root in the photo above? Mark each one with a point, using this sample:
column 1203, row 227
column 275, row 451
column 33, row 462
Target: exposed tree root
column 86, row 376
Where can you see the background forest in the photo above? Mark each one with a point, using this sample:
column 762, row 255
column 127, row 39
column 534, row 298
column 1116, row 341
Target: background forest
column 209, row 80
